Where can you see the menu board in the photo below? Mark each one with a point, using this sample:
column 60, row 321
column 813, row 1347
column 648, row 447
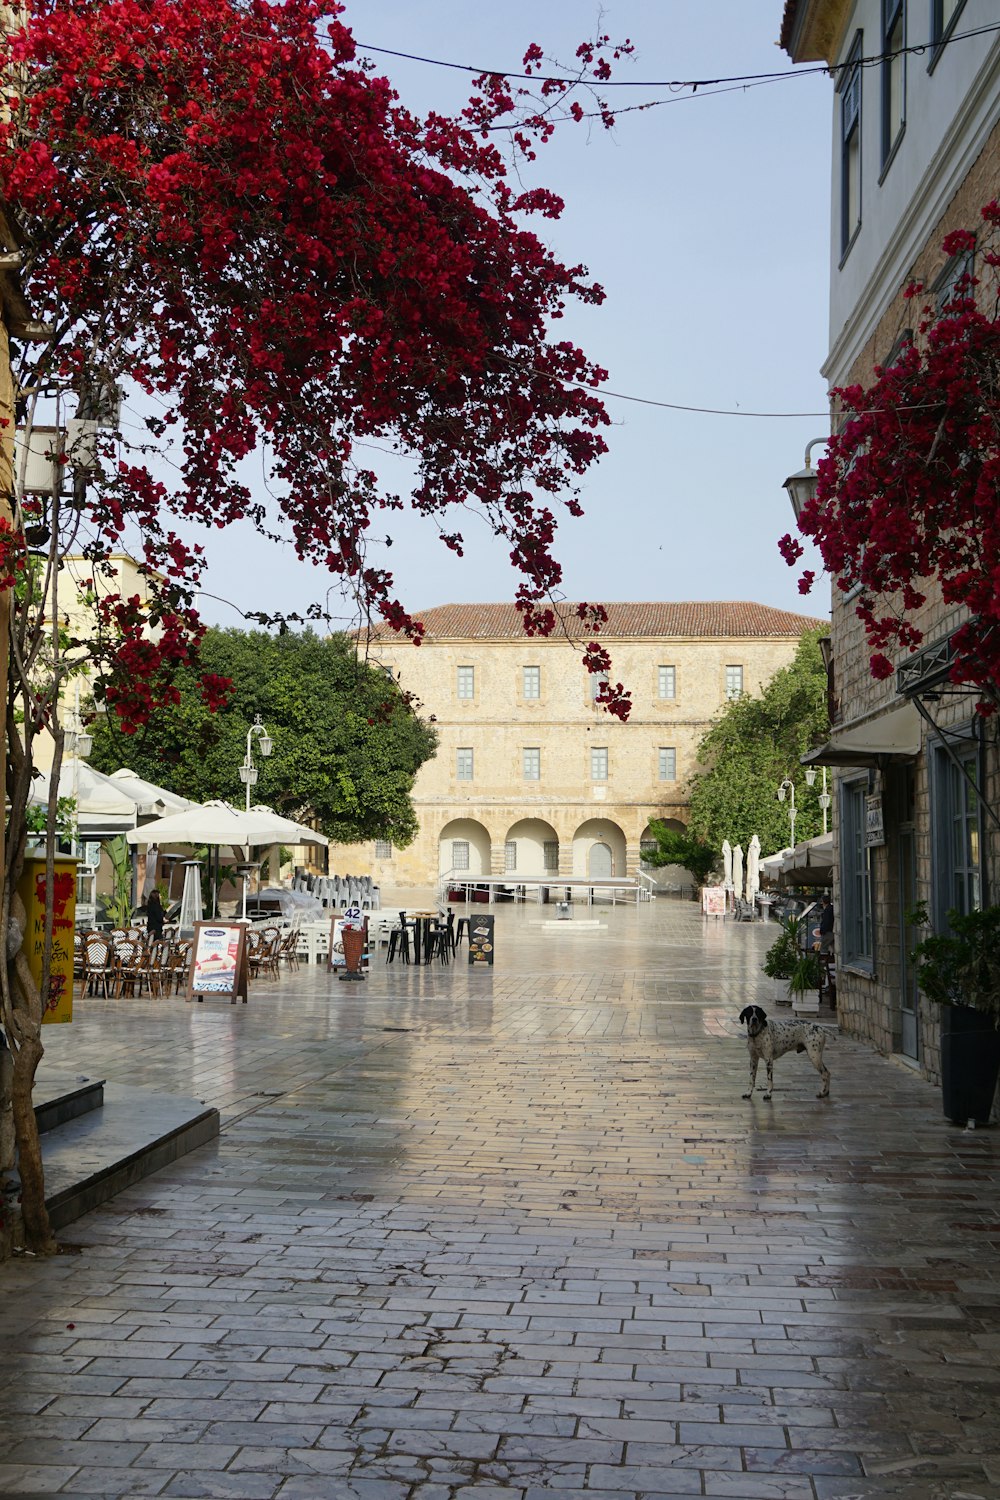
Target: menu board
column 218, row 961
column 481, row 945
column 713, row 900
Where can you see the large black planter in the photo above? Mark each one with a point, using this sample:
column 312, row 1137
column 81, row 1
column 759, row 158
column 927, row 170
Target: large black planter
column 970, row 1064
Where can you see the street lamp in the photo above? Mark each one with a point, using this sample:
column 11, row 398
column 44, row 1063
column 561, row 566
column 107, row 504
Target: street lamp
column 265, row 744
column 787, row 789
column 801, row 486
column 824, row 796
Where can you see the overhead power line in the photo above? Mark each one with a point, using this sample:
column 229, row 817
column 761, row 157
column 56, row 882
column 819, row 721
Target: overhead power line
column 916, row 50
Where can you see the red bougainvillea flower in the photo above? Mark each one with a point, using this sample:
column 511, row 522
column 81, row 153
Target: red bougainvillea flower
column 224, row 204
column 908, row 498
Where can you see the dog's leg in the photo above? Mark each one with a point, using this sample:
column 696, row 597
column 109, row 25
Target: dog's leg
column 770, row 1079
column 816, row 1058
column 754, row 1060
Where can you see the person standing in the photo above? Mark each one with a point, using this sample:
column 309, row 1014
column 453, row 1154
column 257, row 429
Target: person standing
column 825, row 928
column 154, row 915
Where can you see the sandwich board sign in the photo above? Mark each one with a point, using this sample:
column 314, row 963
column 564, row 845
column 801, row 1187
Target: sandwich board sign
column 219, row 961
column 481, row 940
column 352, row 918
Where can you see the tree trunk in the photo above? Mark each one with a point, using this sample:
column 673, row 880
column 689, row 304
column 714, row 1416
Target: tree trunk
column 27, row 1053
column 34, row 1215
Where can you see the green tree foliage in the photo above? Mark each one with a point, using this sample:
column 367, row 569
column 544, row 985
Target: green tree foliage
column 347, row 743
column 755, row 744
column 675, row 848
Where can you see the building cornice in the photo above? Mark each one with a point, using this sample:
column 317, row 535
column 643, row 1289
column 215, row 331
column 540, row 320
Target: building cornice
column 813, row 30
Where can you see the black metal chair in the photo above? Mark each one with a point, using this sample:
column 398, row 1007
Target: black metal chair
column 399, row 938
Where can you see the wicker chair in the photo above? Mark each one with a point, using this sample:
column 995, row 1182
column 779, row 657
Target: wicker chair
column 97, row 968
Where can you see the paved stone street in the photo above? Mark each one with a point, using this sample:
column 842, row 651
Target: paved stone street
column 513, row 1232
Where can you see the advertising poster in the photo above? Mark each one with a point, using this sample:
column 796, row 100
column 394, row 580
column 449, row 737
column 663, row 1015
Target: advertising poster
column 353, row 918
column 31, row 888
column 713, row 901
column 218, row 961
column 481, row 945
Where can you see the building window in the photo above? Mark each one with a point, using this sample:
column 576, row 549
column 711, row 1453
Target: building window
column 531, row 682
column 850, row 146
column 666, row 682
column 383, row 849
column 956, row 833
column 952, row 281
column 550, row 856
column 899, row 348
column 668, row 763
column 598, row 763
column 463, row 764
column 893, row 74
column 597, row 686
column 510, row 856
column 466, row 683
column 459, row 854
column 855, row 875
column 944, row 14
column 646, row 848
column 734, row 682
column 531, row 763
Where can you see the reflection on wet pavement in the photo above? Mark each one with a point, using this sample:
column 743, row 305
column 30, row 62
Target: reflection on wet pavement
column 516, row 1231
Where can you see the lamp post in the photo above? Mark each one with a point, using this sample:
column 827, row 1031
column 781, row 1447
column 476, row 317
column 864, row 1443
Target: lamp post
column 79, row 742
column 248, row 771
column 787, row 789
column 824, row 796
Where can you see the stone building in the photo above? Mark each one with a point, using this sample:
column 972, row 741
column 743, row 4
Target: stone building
column 916, row 146
column 533, row 777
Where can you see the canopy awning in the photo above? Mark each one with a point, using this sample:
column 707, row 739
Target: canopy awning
column 872, row 740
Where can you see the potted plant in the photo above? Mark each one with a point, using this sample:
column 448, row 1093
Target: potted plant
column 960, row 971
column 781, row 958
column 806, row 976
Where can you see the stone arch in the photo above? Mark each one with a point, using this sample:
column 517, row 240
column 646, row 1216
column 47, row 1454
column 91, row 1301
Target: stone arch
column 673, row 879
column 530, row 836
column 598, row 831
column 470, row 832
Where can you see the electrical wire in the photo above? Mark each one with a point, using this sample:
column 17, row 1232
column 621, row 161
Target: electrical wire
column 916, row 50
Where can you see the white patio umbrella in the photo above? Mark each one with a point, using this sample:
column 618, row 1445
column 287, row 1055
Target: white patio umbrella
column 753, row 868
column 738, row 871
column 221, row 826
column 727, row 864
column 151, row 800
column 293, row 833
column 217, row 823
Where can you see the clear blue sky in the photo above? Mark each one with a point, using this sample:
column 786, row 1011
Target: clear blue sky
column 706, row 220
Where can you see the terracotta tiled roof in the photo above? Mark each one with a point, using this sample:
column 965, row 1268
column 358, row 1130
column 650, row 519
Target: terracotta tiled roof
column 726, row 619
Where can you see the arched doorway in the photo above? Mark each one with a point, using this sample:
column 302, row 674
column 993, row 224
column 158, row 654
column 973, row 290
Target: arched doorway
column 603, row 832
column 535, row 848
column 674, row 880
column 464, row 847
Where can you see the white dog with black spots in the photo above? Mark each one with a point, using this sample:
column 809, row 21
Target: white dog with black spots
column 770, row 1039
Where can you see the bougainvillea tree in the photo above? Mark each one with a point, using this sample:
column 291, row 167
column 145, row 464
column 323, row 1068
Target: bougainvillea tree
column 222, row 207
column 907, row 507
